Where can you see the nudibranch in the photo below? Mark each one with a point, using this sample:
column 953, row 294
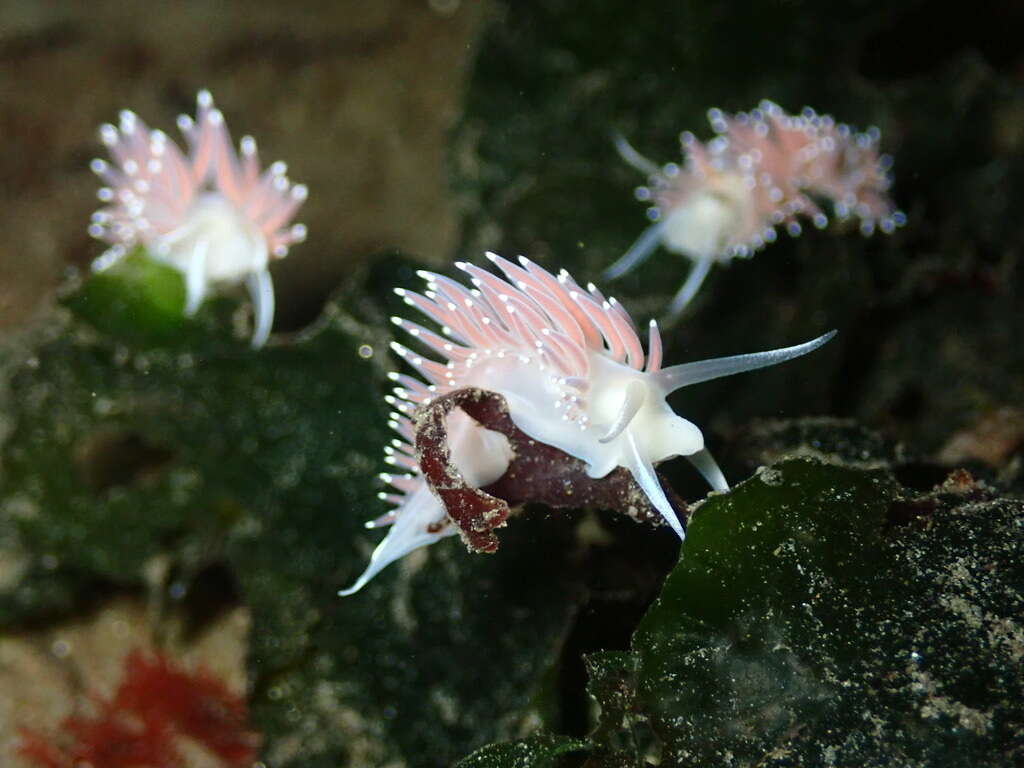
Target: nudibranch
column 762, row 171
column 213, row 214
column 573, row 373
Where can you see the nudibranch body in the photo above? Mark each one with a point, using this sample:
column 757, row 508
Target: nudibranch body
column 213, row 214
column 762, row 171
column 574, row 374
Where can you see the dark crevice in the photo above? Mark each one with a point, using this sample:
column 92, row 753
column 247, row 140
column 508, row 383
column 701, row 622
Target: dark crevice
column 920, row 476
column 210, row 594
column 921, row 38
column 84, row 596
column 623, row 579
column 47, row 40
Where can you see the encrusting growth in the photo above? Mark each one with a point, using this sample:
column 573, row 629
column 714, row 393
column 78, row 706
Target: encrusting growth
column 762, row 171
column 573, row 374
column 213, row 215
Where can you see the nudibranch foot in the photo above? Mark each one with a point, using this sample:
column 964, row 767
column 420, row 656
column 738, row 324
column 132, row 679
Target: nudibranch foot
column 540, row 473
column 537, row 473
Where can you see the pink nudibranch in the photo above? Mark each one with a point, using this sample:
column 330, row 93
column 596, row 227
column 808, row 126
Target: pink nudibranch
column 760, row 172
column 574, row 373
column 212, row 215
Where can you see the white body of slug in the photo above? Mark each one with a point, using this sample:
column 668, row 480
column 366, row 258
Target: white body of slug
column 705, row 227
column 214, row 226
column 574, row 374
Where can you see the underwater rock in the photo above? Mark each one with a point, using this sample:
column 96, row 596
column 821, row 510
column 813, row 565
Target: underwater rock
column 539, row 751
column 831, row 617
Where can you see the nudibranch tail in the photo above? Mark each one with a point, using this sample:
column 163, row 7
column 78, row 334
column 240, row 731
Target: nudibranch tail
column 575, row 386
column 213, row 215
column 421, row 522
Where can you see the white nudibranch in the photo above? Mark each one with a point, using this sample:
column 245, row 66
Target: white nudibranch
column 760, row 172
column 213, row 215
column 574, row 374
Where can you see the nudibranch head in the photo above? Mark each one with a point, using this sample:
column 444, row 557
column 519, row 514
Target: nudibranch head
column 762, row 171
column 574, row 373
column 212, row 214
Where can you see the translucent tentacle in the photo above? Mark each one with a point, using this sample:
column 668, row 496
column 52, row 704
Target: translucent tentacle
column 634, row 158
column 644, row 246
column 632, row 401
column 677, row 376
column 643, row 473
column 689, row 289
column 261, row 291
column 705, row 463
column 195, row 279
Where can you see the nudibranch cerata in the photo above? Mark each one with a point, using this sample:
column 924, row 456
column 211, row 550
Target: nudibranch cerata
column 573, row 373
column 213, row 214
column 760, row 172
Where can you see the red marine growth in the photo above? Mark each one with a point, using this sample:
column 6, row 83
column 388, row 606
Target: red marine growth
column 156, row 706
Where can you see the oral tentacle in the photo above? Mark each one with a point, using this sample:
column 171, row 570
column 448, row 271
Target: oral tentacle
column 632, row 402
column 261, row 291
column 645, row 476
column 705, row 463
column 638, row 252
column 195, row 279
column 677, row 376
column 689, row 289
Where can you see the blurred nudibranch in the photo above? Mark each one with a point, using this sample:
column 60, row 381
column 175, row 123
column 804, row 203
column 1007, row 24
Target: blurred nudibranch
column 574, row 375
column 762, row 171
column 213, row 214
